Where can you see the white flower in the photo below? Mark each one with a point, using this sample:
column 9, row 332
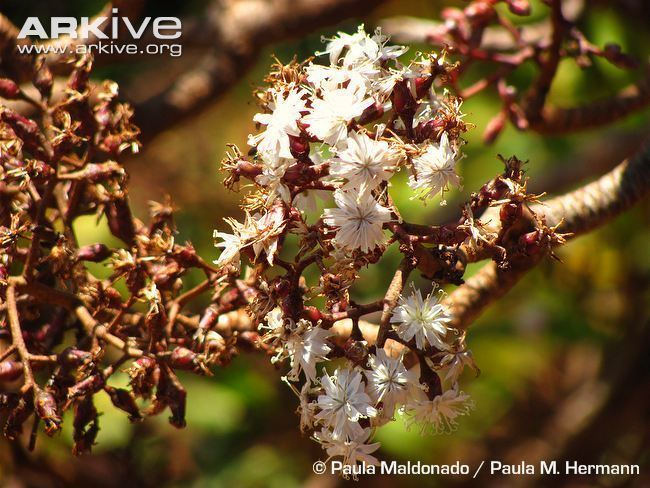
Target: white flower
column 285, row 109
column 361, row 48
column 274, row 321
column 359, row 219
column 455, row 363
column 424, row 319
column 344, row 402
column 435, row 169
column 388, row 380
column 307, row 407
column 364, row 162
column 477, row 231
column 231, row 243
column 353, row 450
column 441, row 413
column 330, row 115
column 271, row 180
column 268, row 227
column 305, row 349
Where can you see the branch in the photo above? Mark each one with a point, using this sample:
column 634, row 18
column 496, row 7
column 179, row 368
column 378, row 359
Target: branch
column 557, row 120
column 578, row 212
column 17, row 337
column 241, row 30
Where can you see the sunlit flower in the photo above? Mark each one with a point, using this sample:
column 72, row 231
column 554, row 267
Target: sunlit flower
column 455, row 362
column 268, row 227
column 282, row 122
column 231, row 243
column 344, row 402
column 330, row 115
column 306, row 349
column 441, row 413
column 425, row 319
column 364, row 162
column 435, row 169
column 388, row 380
column 353, row 450
column 359, row 220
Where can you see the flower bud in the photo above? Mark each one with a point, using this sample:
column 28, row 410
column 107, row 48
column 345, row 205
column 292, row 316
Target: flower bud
column 95, row 253
column 46, row 409
column 87, row 386
column 73, row 358
column 9, row 89
column 10, row 370
column 519, row 7
column 120, row 220
column 183, row 358
column 124, row 400
column 209, row 318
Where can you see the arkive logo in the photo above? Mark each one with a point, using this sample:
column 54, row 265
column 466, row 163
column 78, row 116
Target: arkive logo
column 101, row 27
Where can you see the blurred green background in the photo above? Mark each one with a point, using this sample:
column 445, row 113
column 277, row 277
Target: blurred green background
column 563, row 357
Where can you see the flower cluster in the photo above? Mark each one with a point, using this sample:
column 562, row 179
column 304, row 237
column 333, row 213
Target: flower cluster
column 331, row 137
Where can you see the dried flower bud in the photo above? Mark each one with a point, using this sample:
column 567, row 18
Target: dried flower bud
column 87, row 386
column 124, row 400
column 47, row 410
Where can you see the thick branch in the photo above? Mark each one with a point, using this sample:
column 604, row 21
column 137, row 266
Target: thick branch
column 241, row 30
column 579, row 211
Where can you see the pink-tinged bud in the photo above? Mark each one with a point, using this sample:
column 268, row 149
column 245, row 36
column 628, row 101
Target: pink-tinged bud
column 186, row 256
column 209, row 318
column 46, row 409
column 120, row 220
column 4, row 274
column 519, row 7
column 248, row 338
column 299, row 147
column 183, row 358
column 480, row 11
column 247, row 169
column 422, row 85
column 510, row 212
column 95, row 253
column 403, row 101
column 531, row 242
column 375, row 111
column 10, row 370
column 312, row 314
column 73, row 358
column 9, row 89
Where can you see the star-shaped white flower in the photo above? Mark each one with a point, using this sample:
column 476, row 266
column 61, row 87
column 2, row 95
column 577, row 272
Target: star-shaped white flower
column 286, row 108
column 331, row 114
column 425, row 319
column 306, row 347
column 388, row 381
column 364, row 162
column 435, row 169
column 441, row 413
column 359, row 220
column 353, row 450
column 344, row 402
